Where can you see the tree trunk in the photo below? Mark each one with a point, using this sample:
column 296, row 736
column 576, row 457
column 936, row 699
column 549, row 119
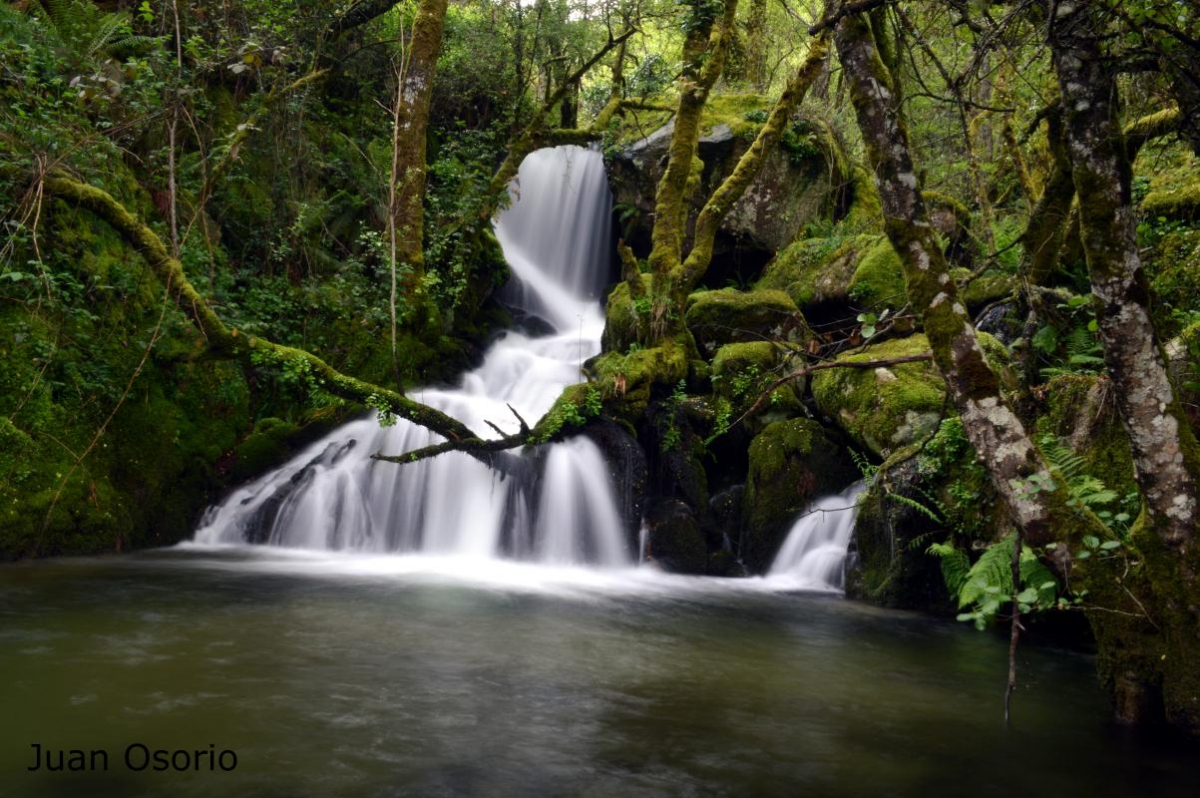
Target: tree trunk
column 1162, row 444
column 412, row 119
column 998, row 436
column 756, row 45
column 1159, row 438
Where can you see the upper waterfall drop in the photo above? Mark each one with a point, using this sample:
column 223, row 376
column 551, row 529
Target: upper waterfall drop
column 559, row 506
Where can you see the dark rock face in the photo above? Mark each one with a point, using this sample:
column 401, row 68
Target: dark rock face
column 791, row 191
column 882, row 567
column 675, row 542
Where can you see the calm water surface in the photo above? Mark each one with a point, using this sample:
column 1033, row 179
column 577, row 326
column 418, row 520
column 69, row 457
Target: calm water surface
column 343, row 675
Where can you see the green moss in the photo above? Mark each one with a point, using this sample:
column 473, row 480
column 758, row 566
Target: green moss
column 744, row 114
column 1173, row 266
column 1078, row 409
column 628, row 380
column 816, row 270
column 626, row 319
column 986, row 288
column 878, row 280
column 884, row 408
column 791, row 463
column 866, row 207
column 715, row 318
column 1177, row 203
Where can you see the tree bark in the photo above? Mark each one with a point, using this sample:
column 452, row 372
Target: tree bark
column 1161, row 443
column 412, row 120
column 994, row 430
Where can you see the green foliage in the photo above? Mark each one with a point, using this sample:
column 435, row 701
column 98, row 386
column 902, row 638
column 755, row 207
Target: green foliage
column 1087, row 491
column 988, row 586
column 1071, row 340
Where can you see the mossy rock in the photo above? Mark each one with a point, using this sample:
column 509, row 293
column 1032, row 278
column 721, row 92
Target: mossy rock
column 674, row 541
column 263, row 448
column 791, row 463
column 627, row 381
column 800, row 182
column 1079, row 411
column 989, row 287
column 814, row 271
column 741, row 372
column 716, row 318
column 878, row 279
column 884, row 567
column 888, row 407
column 741, row 360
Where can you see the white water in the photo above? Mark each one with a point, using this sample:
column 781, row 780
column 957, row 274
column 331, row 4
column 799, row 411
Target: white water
column 555, row 509
column 813, row 556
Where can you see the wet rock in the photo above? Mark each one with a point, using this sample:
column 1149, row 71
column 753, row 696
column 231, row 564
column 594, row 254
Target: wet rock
column 674, row 541
column 791, row 463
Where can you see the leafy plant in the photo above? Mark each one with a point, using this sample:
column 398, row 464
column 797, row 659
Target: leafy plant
column 988, row 585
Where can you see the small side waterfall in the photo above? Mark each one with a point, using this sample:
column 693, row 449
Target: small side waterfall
column 813, row 556
column 556, row 506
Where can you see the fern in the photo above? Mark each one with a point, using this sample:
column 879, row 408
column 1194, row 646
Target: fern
column 1086, row 490
column 990, row 578
column 955, row 565
column 1036, row 576
column 1085, row 355
column 86, row 31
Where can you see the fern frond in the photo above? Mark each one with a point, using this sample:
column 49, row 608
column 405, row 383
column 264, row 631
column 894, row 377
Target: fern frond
column 955, row 565
column 1037, row 576
column 990, row 575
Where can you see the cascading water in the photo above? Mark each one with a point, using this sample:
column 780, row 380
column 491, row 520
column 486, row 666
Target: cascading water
column 556, row 507
column 813, row 556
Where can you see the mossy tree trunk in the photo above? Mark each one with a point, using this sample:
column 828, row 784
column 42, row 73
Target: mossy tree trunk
column 1042, row 239
column 1130, row 641
column 674, row 276
column 995, row 431
column 756, row 45
column 412, row 120
column 1161, row 442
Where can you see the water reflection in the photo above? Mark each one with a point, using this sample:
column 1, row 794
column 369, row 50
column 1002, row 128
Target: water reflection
column 416, row 676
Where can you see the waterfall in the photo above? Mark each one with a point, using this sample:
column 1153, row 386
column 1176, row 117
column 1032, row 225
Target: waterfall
column 813, row 556
column 554, row 506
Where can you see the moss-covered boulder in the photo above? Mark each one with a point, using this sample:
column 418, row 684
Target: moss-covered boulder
column 1077, row 412
column 715, row 318
column 878, row 279
column 860, row 270
column 883, row 408
column 989, row 287
column 791, row 463
column 628, row 380
column 884, row 567
column 814, row 271
column 801, row 181
column 742, row 372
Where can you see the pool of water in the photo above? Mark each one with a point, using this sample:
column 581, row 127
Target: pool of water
column 343, row 675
